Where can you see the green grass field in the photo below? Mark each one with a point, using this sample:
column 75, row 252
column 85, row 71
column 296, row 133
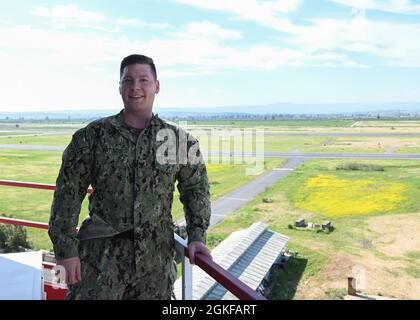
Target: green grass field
column 271, row 143
column 409, row 150
column 352, row 232
column 47, row 140
column 43, row 167
column 370, row 145
column 373, row 205
column 388, row 123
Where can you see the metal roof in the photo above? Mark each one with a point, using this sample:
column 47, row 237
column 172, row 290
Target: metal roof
column 247, row 254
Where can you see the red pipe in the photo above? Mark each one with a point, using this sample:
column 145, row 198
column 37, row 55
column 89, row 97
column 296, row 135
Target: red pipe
column 24, row 223
column 32, row 185
column 227, row 280
column 237, row 287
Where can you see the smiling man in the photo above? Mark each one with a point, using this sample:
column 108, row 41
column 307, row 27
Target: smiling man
column 125, row 247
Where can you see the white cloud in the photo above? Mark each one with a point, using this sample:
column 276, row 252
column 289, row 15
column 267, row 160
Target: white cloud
column 246, row 8
column 202, row 50
column 140, row 23
column 198, row 44
column 59, row 63
column 266, row 13
column 69, row 12
column 393, row 6
column 60, row 68
column 55, row 47
column 392, row 42
column 65, row 16
column 176, row 74
column 272, row 14
column 198, row 48
column 207, row 30
column 62, row 16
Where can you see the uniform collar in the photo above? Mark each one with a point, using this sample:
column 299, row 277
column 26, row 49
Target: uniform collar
column 119, row 123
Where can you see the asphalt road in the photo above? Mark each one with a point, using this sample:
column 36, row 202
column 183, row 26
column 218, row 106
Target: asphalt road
column 269, row 154
column 236, row 199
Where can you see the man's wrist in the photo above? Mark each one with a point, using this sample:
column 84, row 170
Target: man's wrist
column 197, row 234
column 62, row 254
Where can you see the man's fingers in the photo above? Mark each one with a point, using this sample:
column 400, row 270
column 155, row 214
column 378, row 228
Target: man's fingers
column 191, row 251
column 198, row 247
column 203, row 250
column 73, row 276
column 78, row 272
column 72, row 268
column 207, row 252
column 69, row 276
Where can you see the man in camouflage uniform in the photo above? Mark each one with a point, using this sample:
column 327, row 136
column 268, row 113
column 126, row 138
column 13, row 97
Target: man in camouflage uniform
column 125, row 248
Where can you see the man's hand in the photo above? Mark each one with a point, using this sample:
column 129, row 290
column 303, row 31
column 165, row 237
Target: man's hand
column 198, row 247
column 72, row 266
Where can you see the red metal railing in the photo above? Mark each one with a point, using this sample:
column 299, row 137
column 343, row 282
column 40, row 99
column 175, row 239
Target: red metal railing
column 24, row 223
column 241, row 290
column 32, row 185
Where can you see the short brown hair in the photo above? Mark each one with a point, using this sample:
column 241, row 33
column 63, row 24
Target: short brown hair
column 140, row 59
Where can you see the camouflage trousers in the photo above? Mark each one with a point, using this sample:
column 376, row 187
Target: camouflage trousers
column 109, row 272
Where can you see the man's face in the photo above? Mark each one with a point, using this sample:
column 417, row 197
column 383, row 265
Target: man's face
column 138, row 88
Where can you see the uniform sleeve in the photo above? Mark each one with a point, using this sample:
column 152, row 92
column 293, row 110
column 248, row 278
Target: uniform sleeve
column 194, row 190
column 71, row 188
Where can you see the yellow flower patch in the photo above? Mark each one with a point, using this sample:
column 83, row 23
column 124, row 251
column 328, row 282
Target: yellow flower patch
column 218, row 167
column 333, row 196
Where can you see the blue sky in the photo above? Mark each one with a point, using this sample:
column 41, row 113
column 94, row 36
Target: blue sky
column 66, row 54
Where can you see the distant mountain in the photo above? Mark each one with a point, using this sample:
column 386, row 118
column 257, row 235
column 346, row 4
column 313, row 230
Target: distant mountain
column 59, row 115
column 384, row 109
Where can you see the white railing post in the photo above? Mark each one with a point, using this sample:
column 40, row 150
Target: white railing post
column 187, row 270
column 187, row 279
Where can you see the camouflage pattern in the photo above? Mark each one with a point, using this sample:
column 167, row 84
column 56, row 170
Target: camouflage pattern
column 109, row 273
column 132, row 191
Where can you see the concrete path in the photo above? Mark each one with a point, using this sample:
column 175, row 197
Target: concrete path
column 269, row 154
column 239, row 197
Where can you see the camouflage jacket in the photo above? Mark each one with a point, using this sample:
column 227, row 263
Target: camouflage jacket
column 131, row 188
